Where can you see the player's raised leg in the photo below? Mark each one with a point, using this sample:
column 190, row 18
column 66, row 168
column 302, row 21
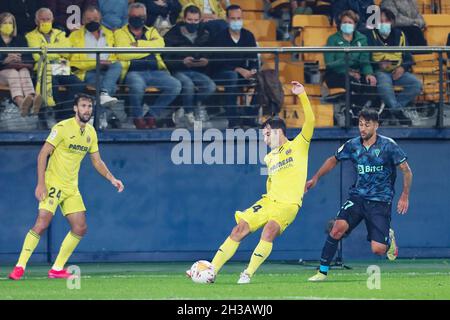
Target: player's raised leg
column 230, row 246
column 78, row 230
column 30, row 243
column 340, row 227
column 262, row 251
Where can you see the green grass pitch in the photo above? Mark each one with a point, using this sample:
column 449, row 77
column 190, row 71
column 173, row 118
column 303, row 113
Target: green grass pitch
column 401, row 279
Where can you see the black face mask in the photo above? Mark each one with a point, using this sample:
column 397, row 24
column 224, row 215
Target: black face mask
column 92, row 26
column 192, row 27
column 136, row 22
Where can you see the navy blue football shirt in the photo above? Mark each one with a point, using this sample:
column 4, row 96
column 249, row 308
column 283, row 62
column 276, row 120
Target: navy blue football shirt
column 376, row 167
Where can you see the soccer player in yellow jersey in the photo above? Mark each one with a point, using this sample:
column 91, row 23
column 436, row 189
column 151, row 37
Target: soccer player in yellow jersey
column 69, row 141
column 287, row 165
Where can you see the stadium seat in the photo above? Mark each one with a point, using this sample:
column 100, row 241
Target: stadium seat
column 294, row 117
column 263, row 30
column 314, row 32
column 268, row 57
column 278, row 3
column 426, row 6
column 437, row 28
column 252, row 10
column 425, row 63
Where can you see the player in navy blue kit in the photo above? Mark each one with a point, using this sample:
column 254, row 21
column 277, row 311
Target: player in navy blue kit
column 376, row 159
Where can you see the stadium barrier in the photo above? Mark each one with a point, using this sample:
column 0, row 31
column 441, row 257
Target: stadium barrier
column 333, row 107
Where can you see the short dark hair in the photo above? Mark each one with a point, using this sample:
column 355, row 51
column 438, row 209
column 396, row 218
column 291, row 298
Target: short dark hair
column 83, row 96
column 388, row 13
column 231, row 8
column 191, row 9
column 275, row 123
column 369, row 115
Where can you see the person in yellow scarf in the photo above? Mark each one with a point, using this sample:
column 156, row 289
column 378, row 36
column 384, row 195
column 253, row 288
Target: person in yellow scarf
column 53, row 70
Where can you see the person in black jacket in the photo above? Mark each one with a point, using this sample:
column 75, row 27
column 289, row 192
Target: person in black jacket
column 190, row 68
column 24, row 12
column 15, row 67
column 162, row 14
column 233, row 71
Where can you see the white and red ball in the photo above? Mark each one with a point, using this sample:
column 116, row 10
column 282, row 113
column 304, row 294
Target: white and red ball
column 202, row 271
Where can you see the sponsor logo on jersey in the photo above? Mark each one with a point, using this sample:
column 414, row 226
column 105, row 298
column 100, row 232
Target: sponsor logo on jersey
column 362, row 169
column 281, row 164
column 77, row 147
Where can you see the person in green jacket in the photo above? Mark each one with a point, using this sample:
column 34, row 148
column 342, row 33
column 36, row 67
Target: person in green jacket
column 362, row 80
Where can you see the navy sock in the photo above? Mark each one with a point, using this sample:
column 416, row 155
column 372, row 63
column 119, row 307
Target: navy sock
column 328, row 252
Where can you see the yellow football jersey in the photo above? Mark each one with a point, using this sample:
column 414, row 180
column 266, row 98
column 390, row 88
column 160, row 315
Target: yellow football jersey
column 288, row 164
column 71, row 144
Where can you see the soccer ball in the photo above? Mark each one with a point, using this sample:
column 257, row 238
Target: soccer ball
column 203, row 272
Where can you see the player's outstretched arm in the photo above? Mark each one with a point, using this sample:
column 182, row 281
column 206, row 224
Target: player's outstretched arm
column 327, row 166
column 310, row 119
column 101, row 167
column 403, row 202
column 41, row 190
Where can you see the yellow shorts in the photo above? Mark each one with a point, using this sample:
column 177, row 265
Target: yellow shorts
column 266, row 209
column 69, row 200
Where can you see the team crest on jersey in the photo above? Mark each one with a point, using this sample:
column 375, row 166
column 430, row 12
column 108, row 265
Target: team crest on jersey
column 88, row 139
column 377, row 152
column 51, row 202
column 288, row 152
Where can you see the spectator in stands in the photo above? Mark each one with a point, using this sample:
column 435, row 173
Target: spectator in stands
column 114, row 13
column 65, row 19
column 324, row 7
column 93, row 35
column 146, row 69
column 15, row 67
column 24, row 12
column 301, row 7
column 362, row 79
column 46, row 36
column 162, row 14
column 190, row 68
column 233, row 71
column 391, row 68
column 357, row 6
column 213, row 14
column 408, row 19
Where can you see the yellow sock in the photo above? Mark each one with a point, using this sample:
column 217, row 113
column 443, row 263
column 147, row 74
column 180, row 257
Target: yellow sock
column 262, row 251
column 225, row 252
column 67, row 247
column 30, row 243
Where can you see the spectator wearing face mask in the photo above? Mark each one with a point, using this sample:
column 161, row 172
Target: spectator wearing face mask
column 408, row 19
column 145, row 70
column 93, row 35
column 392, row 68
column 362, row 79
column 190, row 68
column 233, row 71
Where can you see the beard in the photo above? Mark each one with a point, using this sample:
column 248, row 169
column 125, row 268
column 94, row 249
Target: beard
column 84, row 118
column 367, row 137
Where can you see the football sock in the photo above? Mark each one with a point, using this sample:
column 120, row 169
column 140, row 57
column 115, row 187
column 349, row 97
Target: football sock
column 225, row 252
column 262, row 251
column 67, row 247
column 30, row 243
column 328, row 252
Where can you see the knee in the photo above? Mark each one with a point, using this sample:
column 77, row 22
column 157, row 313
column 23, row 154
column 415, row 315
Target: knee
column 337, row 233
column 175, row 86
column 240, row 231
column 188, row 86
column 80, row 230
column 379, row 249
column 271, row 231
column 40, row 228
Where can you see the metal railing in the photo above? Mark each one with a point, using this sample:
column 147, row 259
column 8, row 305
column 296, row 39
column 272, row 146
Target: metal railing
column 440, row 50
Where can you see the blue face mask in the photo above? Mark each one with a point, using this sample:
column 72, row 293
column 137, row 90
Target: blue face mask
column 385, row 29
column 347, row 28
column 236, row 25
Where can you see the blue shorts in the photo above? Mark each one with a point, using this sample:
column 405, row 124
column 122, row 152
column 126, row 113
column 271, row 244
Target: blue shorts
column 376, row 215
